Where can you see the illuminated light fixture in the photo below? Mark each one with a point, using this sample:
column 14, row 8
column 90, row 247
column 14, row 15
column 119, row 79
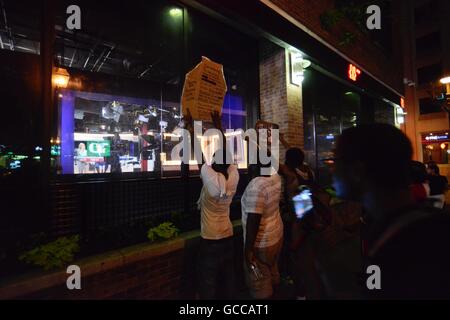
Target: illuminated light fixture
column 443, row 146
column 402, row 102
column 175, row 12
column 298, row 66
column 445, row 80
column 60, row 77
column 400, row 115
column 353, row 72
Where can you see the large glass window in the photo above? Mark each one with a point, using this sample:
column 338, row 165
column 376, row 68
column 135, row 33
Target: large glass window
column 121, row 109
column 20, row 89
column 429, row 74
column 428, row 105
column 329, row 108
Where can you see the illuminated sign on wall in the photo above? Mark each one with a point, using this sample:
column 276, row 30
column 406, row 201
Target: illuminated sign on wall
column 98, row 149
column 353, row 72
column 435, row 138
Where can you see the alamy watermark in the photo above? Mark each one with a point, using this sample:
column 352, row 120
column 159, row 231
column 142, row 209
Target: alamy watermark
column 74, row 280
column 374, row 280
column 73, row 22
column 374, row 20
column 263, row 146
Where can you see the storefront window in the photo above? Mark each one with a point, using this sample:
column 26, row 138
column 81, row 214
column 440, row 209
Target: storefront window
column 20, row 77
column 384, row 112
column 435, row 147
column 121, row 109
column 329, row 108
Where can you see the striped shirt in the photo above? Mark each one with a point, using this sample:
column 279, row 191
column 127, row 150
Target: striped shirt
column 262, row 196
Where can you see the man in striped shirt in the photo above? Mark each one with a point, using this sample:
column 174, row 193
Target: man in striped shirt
column 263, row 233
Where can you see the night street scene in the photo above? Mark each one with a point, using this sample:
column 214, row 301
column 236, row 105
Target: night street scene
column 237, row 153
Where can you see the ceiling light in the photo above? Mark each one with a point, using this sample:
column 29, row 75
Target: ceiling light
column 445, row 80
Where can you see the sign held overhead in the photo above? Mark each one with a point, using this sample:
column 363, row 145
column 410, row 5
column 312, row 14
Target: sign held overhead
column 204, row 90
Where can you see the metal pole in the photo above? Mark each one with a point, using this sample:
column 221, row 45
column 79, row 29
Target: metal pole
column 47, row 105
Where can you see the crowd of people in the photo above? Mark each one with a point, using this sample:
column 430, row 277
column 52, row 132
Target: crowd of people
column 404, row 229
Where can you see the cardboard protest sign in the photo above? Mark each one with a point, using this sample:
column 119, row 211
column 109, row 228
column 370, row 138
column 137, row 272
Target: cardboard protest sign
column 204, row 90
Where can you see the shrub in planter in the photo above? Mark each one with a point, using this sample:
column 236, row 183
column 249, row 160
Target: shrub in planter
column 165, row 231
column 54, row 254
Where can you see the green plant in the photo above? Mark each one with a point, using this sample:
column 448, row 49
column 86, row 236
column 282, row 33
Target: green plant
column 330, row 18
column 331, row 192
column 53, row 254
column 164, row 231
column 356, row 14
column 347, row 38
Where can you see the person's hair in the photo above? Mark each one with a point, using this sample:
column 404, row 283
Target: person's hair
column 434, row 167
column 221, row 167
column 418, row 172
column 294, row 157
column 384, row 150
column 254, row 170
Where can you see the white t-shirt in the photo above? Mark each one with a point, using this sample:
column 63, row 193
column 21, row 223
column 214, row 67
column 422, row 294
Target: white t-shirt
column 262, row 196
column 214, row 202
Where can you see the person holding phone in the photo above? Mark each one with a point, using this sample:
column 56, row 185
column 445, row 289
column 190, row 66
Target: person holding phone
column 297, row 176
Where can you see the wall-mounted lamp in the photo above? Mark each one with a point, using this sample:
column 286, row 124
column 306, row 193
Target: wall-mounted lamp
column 446, row 82
column 400, row 115
column 60, row 77
column 297, row 67
column 175, row 12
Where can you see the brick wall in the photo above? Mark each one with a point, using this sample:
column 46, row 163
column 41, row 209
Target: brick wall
column 364, row 52
column 281, row 101
column 155, row 278
column 164, row 271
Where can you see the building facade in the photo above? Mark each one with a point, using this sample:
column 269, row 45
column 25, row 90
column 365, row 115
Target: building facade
column 97, row 142
column 426, row 44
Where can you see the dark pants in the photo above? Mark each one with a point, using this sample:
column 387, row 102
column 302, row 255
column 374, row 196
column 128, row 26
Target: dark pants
column 215, row 273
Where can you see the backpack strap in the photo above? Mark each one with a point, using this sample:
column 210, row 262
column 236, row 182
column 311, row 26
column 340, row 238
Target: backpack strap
column 402, row 222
